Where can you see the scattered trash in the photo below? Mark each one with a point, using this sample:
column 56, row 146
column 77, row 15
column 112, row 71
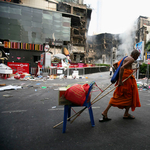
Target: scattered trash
column 145, row 78
column 44, row 87
column 26, row 76
column 22, row 83
column 144, row 89
column 29, row 85
column 35, row 90
column 139, row 84
column 50, row 79
column 38, row 83
column 11, row 78
column 61, row 76
column 69, row 77
column 6, row 96
column 10, row 87
column 40, row 76
column 53, row 107
column 17, row 76
column 3, row 84
column 145, row 85
column 75, row 74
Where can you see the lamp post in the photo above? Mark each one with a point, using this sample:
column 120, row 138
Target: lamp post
column 148, row 70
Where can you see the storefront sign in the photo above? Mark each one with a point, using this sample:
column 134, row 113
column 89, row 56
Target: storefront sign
column 19, row 67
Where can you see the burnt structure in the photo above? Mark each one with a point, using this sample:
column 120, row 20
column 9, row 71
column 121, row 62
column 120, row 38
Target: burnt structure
column 80, row 16
column 143, row 29
column 102, row 48
column 143, row 33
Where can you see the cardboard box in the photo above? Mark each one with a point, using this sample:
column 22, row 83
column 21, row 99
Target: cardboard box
column 61, row 98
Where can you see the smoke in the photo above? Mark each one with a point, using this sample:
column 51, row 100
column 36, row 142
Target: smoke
column 127, row 41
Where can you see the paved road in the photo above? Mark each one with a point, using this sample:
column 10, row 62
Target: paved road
column 27, row 117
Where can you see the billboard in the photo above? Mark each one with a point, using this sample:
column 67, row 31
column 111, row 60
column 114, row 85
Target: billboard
column 19, row 67
column 140, row 47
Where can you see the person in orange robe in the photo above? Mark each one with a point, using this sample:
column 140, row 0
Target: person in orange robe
column 126, row 94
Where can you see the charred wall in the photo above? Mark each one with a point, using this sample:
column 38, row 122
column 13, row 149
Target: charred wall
column 80, row 17
column 102, row 45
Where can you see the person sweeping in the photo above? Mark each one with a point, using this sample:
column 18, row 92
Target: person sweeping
column 126, row 94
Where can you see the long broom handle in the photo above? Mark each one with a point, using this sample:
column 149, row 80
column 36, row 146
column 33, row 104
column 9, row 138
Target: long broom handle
column 101, row 93
column 78, row 113
column 91, row 103
column 114, row 87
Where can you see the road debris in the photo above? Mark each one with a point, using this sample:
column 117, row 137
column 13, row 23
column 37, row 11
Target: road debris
column 10, row 87
column 7, row 96
column 2, row 84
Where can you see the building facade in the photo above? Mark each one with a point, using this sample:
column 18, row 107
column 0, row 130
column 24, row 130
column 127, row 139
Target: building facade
column 143, row 32
column 27, row 25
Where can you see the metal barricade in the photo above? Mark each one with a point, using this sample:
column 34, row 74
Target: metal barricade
column 48, row 71
column 33, row 70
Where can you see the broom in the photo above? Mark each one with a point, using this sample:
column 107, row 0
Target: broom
column 94, row 100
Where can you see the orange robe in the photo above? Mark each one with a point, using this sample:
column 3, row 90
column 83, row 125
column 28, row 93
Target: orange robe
column 126, row 95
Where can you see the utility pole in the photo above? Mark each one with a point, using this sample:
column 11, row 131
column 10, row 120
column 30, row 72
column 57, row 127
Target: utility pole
column 148, row 62
column 137, row 75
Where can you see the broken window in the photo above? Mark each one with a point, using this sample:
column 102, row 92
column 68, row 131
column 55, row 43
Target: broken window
column 63, row 7
column 76, row 31
column 36, row 58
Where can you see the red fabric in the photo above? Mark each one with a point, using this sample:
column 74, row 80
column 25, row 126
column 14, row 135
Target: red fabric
column 77, row 94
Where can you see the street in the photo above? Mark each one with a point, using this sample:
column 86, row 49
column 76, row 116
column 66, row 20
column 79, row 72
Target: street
column 27, row 117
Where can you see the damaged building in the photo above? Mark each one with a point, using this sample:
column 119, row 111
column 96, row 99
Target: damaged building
column 26, row 26
column 102, row 48
column 80, row 17
column 143, row 33
column 143, row 29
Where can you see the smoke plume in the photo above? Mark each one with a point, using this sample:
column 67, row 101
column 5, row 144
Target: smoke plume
column 127, row 40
